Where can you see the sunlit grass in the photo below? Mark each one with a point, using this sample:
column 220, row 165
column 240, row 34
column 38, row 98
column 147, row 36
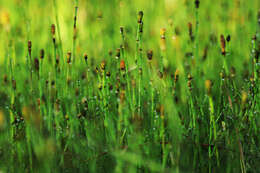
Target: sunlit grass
column 129, row 86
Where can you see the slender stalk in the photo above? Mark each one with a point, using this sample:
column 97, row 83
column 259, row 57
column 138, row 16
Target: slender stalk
column 197, row 3
column 213, row 127
column 75, row 32
column 58, row 30
column 138, row 57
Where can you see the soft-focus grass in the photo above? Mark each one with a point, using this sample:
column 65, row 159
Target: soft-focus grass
column 171, row 131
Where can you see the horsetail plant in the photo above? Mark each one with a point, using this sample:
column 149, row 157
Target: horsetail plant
column 212, row 125
column 138, row 58
column 127, row 105
column 75, row 32
column 197, row 5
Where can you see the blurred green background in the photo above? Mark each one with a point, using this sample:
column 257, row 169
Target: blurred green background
column 99, row 22
column 98, row 33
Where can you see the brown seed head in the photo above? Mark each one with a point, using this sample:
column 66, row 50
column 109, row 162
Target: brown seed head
column 29, row 44
column 189, row 85
column 54, row 41
column 140, row 17
column 47, row 82
column 190, row 77
column 30, row 47
column 117, row 53
column 190, row 82
column 57, row 60
column 69, row 57
column 53, row 30
column 42, row 53
column 197, row 3
column 75, row 20
column 86, row 57
column 228, row 38
column 39, row 102
column 150, row 55
column 223, row 44
column 121, row 30
column 36, row 64
column 122, row 65
column 96, row 70
column 108, row 74
column 103, row 65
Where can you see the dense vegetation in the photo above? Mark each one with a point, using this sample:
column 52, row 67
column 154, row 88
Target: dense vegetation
column 129, row 86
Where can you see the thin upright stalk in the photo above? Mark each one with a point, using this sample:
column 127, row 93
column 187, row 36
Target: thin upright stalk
column 138, row 57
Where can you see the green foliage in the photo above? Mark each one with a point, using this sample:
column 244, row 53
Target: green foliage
column 129, row 86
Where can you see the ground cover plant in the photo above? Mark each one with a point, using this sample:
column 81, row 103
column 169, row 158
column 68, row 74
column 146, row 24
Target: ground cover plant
column 129, row 86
